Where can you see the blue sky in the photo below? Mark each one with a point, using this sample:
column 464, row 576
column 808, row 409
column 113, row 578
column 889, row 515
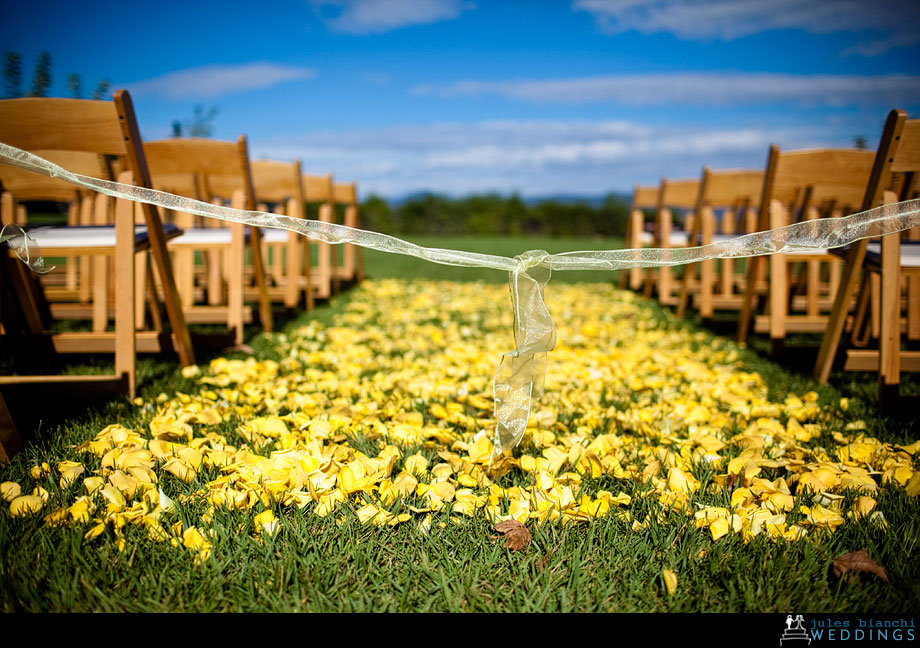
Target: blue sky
column 460, row 96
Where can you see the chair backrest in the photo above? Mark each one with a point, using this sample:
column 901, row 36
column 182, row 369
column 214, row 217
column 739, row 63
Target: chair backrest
column 345, row 193
column 28, row 185
column 318, row 188
column 644, row 198
column 792, row 176
column 220, row 167
column 897, row 161
column 678, row 194
column 101, row 127
column 731, row 188
column 275, row 181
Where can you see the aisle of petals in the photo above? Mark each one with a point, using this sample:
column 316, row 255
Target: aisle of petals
column 387, row 415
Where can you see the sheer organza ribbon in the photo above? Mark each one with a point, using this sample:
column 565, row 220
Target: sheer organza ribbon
column 518, row 383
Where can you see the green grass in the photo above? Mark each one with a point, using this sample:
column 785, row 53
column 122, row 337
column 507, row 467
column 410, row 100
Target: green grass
column 338, row 564
column 381, row 264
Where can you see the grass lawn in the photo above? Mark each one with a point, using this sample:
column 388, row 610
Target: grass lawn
column 342, row 469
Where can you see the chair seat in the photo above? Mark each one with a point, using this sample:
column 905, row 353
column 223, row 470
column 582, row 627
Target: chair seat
column 82, row 237
column 677, row 239
column 274, row 235
column 808, row 251
column 910, row 254
column 205, row 236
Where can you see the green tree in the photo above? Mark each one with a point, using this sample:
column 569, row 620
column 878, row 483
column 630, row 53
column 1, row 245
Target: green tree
column 202, row 122
column 860, row 142
column 377, row 215
column 41, row 78
column 75, row 85
column 101, row 89
column 12, row 74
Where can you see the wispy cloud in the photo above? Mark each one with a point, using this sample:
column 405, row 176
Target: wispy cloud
column 533, row 157
column 894, row 22
column 210, row 81
column 698, row 89
column 379, row 16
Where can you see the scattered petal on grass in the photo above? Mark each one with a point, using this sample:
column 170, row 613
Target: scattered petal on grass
column 10, row 490
column 387, row 413
column 517, row 536
column 913, row 486
column 25, row 505
column 670, row 581
column 857, row 562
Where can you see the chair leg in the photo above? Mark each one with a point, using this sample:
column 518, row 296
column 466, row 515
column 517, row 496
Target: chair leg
column 843, row 296
column 684, row 297
column 747, row 302
column 779, row 294
column 258, row 265
column 140, row 280
column 889, row 375
column 235, row 260
column 292, row 265
column 125, row 333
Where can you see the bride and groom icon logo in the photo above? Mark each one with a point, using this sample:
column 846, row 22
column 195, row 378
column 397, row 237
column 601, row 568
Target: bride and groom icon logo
column 795, row 632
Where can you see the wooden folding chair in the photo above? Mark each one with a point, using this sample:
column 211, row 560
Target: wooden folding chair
column 800, row 186
column 643, row 199
column 672, row 195
column 731, row 198
column 286, row 253
column 26, row 186
column 319, row 192
column 346, row 194
column 107, row 129
column 73, row 290
column 219, row 171
column 894, row 178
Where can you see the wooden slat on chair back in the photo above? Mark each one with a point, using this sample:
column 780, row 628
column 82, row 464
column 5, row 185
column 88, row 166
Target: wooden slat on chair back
column 681, row 194
column 193, row 155
column 39, row 123
column 276, row 181
column 843, row 198
column 29, row 185
column 796, row 170
column 180, row 184
column 907, row 158
column 731, row 188
column 644, row 197
column 318, row 188
column 345, row 193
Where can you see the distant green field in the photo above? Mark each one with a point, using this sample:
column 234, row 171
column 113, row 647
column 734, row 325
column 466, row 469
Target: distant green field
column 382, row 264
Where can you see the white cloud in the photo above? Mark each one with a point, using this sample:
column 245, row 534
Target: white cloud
column 210, row 81
column 707, row 88
column 379, row 16
column 534, row 157
column 894, row 22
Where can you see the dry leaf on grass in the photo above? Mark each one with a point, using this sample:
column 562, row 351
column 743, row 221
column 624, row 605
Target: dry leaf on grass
column 517, row 536
column 858, row 562
column 733, row 480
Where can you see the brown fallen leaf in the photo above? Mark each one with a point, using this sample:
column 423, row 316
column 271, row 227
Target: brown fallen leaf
column 517, row 536
column 732, row 480
column 857, row 562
